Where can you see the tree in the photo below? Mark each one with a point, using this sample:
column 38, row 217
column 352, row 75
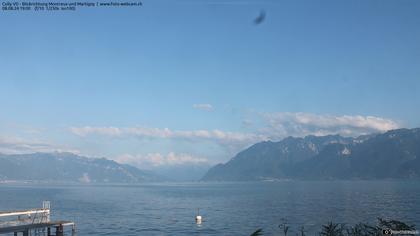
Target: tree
column 332, row 229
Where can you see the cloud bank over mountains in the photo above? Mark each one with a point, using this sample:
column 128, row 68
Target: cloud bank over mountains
column 274, row 126
column 300, row 124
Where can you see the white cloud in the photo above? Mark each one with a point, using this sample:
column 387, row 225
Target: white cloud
column 110, row 131
column 283, row 124
column 216, row 135
column 203, row 107
column 151, row 160
column 85, row 178
column 13, row 145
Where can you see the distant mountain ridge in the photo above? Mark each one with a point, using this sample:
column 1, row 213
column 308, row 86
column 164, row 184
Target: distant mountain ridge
column 68, row 167
column 394, row 154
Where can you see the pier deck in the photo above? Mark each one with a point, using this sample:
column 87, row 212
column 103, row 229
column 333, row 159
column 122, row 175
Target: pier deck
column 33, row 222
column 23, row 228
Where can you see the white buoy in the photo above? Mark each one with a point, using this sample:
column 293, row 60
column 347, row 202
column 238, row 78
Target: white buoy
column 198, row 218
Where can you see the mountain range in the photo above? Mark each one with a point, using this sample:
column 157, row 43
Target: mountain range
column 391, row 155
column 68, row 167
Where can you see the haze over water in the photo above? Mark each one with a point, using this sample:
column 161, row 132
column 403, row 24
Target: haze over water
column 227, row 208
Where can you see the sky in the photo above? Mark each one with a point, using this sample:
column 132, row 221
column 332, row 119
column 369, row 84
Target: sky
column 184, row 83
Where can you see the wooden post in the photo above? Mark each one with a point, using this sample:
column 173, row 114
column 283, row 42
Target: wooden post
column 59, row 230
column 48, row 231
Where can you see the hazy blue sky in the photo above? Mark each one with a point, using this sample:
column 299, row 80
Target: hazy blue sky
column 181, row 82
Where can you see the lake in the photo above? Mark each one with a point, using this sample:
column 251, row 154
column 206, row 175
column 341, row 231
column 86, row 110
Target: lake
column 227, row 208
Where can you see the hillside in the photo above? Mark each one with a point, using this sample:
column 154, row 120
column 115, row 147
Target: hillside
column 394, row 154
column 68, row 167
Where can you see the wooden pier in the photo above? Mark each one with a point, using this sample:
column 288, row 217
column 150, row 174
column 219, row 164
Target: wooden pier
column 33, row 222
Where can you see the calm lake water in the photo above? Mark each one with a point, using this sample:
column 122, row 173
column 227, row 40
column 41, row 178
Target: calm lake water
column 227, row 208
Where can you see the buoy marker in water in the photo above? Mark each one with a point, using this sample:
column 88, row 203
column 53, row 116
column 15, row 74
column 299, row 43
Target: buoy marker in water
column 198, row 218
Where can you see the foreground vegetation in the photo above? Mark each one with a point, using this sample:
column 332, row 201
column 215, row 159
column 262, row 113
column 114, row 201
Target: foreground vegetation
column 337, row 229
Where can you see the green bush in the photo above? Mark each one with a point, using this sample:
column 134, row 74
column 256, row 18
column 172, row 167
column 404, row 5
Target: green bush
column 360, row 229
